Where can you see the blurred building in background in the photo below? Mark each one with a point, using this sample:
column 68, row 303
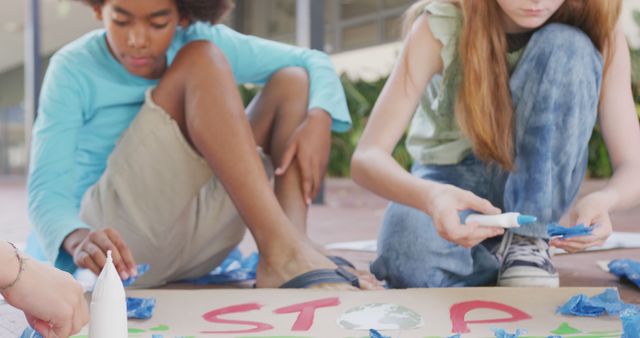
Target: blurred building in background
column 361, row 36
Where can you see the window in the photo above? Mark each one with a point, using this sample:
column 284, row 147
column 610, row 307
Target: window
column 349, row 24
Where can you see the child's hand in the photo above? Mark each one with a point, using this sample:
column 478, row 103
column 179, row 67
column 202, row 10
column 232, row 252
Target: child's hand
column 444, row 206
column 309, row 145
column 52, row 300
column 592, row 210
column 89, row 250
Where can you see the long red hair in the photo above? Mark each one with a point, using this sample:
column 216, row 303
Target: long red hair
column 484, row 109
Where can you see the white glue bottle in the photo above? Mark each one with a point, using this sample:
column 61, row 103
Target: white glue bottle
column 108, row 305
column 507, row 220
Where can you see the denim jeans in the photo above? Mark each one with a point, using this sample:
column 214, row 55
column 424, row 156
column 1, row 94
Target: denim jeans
column 555, row 91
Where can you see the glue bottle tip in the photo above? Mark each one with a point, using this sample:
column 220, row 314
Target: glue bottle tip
column 526, row 219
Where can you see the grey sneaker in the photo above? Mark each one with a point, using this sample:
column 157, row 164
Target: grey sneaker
column 526, row 263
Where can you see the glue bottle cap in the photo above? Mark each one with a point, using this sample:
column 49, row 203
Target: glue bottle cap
column 526, row 219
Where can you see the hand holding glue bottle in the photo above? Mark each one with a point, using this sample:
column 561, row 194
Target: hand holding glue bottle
column 506, row 220
column 108, row 305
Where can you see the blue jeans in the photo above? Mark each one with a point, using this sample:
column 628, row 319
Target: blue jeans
column 555, row 91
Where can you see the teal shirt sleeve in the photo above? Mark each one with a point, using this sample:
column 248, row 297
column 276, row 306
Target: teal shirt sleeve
column 53, row 210
column 254, row 60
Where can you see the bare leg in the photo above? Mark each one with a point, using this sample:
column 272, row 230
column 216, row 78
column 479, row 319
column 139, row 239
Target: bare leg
column 199, row 92
column 274, row 114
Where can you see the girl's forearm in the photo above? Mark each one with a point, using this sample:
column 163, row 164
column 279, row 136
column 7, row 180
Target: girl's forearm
column 378, row 172
column 9, row 264
column 623, row 189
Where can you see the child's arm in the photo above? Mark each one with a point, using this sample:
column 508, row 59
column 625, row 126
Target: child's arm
column 619, row 124
column 373, row 166
column 51, row 299
column 53, row 207
column 254, row 60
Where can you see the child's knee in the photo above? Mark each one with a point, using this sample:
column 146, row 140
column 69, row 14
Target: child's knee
column 404, row 224
column 197, row 54
column 293, row 80
column 562, row 32
column 566, row 39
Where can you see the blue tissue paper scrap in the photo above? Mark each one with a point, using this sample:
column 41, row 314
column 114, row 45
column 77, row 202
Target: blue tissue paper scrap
column 583, row 306
column 30, row 333
column 232, row 270
column 375, row 334
column 140, row 308
column 455, row 336
column 501, row 333
column 142, row 269
column 557, row 230
column 626, row 268
column 630, row 317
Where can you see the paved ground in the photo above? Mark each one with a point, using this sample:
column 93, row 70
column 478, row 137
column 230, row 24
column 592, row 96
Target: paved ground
column 352, row 214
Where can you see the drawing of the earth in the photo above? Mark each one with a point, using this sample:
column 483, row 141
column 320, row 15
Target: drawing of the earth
column 380, row 316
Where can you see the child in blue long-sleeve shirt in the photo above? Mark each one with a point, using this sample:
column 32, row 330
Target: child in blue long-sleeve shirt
column 142, row 146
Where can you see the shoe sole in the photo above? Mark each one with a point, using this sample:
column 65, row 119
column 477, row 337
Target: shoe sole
column 529, row 277
column 530, row 281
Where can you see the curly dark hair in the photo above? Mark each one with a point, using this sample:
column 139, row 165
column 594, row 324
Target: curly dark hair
column 195, row 10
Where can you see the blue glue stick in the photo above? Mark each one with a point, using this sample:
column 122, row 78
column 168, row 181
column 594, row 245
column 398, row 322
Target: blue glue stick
column 507, row 220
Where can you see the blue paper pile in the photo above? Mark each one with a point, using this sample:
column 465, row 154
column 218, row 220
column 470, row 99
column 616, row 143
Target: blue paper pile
column 626, row 268
column 234, row 269
column 557, row 230
column 607, row 302
column 140, row 308
column 142, row 269
column 501, row 333
column 630, row 322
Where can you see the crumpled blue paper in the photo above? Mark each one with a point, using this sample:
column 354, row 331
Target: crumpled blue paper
column 626, row 268
column 580, row 305
column 140, row 308
column 30, row 333
column 375, row 334
column 501, row 333
column 142, row 269
column 630, row 317
column 232, row 270
column 455, row 336
column 557, row 230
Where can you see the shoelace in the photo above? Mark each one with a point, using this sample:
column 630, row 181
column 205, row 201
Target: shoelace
column 527, row 249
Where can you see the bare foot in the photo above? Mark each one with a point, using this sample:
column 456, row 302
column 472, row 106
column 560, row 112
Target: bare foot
column 367, row 280
column 282, row 265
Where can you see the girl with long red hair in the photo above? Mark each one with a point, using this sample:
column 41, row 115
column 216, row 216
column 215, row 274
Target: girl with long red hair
column 507, row 93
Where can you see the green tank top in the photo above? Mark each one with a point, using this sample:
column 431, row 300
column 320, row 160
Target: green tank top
column 434, row 136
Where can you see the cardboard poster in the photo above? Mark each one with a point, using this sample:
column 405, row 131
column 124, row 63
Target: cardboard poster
column 423, row 313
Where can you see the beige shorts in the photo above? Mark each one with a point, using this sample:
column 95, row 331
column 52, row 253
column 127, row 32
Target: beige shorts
column 162, row 197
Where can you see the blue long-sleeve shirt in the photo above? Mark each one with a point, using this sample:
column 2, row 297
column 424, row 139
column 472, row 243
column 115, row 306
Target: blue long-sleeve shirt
column 88, row 100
